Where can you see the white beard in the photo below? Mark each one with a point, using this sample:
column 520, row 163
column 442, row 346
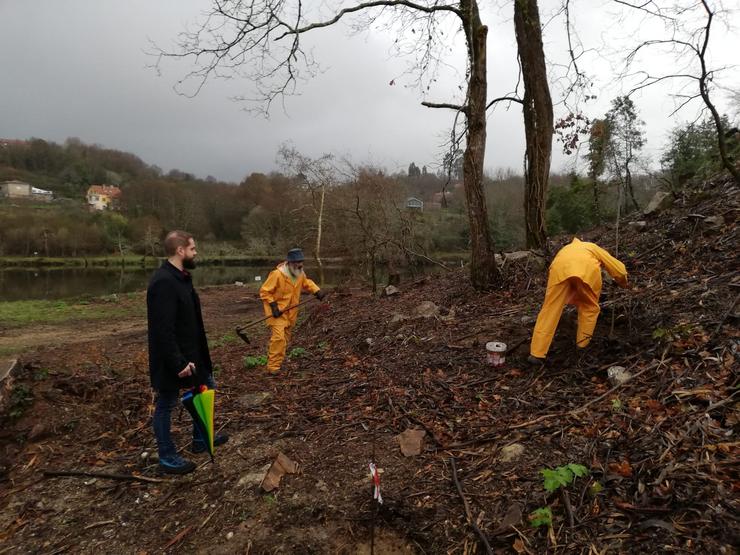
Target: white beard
column 295, row 273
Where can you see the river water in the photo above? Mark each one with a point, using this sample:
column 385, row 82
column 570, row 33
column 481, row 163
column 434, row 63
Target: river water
column 68, row 283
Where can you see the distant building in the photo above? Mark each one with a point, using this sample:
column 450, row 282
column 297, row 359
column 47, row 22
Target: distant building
column 103, row 197
column 15, row 189
column 413, row 203
column 22, row 190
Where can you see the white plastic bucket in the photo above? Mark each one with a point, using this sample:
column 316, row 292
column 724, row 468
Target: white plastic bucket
column 496, row 351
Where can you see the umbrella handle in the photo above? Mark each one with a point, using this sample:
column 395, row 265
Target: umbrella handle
column 192, row 377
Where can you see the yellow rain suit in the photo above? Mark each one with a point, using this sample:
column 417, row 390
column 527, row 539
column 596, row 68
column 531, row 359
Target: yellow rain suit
column 284, row 289
column 575, row 278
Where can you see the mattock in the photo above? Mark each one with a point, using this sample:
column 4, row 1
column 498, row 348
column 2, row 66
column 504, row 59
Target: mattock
column 240, row 329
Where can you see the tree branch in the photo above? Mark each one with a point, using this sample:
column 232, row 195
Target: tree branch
column 644, row 9
column 455, row 107
column 504, row 99
column 367, row 5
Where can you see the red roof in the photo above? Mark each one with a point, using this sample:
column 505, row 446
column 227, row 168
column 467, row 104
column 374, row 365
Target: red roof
column 110, row 190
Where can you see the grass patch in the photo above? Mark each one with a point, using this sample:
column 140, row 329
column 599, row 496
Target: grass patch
column 25, row 313
column 225, row 339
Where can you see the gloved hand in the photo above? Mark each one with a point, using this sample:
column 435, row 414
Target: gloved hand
column 320, row 294
column 275, row 310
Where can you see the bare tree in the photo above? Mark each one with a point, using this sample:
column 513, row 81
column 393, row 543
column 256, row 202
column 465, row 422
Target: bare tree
column 625, row 140
column 538, row 118
column 261, row 40
column 317, row 175
column 688, row 25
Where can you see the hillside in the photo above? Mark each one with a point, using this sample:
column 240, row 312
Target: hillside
column 662, row 446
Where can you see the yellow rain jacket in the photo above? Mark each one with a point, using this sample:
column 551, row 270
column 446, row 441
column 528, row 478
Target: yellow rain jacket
column 574, row 278
column 281, row 287
column 584, row 261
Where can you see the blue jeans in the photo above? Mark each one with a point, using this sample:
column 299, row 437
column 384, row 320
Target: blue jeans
column 165, row 403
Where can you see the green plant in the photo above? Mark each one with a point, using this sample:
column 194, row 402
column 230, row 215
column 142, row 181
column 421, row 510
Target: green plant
column 20, row 398
column 562, row 476
column 223, row 340
column 554, row 479
column 297, row 352
column 541, row 516
column 667, row 335
column 617, row 405
column 252, row 362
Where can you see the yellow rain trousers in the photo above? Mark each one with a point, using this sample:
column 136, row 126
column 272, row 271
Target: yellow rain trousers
column 286, row 290
column 574, row 278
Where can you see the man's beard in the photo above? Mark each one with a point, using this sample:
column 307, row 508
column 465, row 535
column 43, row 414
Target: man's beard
column 295, row 272
column 188, row 263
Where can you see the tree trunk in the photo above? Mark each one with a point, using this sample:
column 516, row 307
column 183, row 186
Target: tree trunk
column 704, row 92
column 317, row 254
column 373, row 277
column 538, row 118
column 483, row 270
column 597, row 206
column 628, row 176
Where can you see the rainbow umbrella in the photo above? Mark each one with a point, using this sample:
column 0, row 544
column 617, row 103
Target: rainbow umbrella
column 200, row 403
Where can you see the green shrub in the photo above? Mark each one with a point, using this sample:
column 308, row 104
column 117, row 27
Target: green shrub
column 253, row 362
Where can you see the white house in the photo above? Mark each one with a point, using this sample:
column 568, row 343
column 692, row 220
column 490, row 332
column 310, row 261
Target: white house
column 103, row 197
column 413, row 203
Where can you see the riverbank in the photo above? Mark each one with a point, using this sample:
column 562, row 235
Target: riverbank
column 128, row 261
column 135, row 261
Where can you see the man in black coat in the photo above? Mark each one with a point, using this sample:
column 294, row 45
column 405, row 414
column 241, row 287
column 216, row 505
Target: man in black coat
column 178, row 348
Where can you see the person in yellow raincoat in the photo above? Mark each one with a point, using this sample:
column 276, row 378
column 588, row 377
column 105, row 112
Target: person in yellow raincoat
column 574, row 278
column 281, row 290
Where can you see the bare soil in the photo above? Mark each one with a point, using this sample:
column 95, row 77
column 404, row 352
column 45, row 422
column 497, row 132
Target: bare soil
column 662, row 447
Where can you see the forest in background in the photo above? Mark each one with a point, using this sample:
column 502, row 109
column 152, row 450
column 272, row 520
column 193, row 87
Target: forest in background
column 364, row 216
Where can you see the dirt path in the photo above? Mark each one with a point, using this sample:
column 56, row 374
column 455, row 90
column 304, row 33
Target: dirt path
column 56, row 335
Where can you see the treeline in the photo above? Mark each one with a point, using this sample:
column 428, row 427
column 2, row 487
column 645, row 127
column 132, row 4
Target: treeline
column 361, row 211
column 70, row 168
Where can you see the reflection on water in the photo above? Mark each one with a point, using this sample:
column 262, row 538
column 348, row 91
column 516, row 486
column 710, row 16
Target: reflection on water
column 63, row 283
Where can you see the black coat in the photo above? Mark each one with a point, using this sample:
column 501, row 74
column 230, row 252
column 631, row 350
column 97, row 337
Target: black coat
column 176, row 332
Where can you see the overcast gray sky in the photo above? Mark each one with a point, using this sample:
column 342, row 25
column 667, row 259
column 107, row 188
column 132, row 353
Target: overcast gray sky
column 79, row 68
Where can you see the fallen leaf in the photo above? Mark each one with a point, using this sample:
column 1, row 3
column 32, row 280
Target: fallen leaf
column 623, row 468
column 411, row 442
column 281, row 465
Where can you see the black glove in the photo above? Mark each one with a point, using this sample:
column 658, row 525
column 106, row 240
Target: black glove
column 320, row 294
column 275, row 310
